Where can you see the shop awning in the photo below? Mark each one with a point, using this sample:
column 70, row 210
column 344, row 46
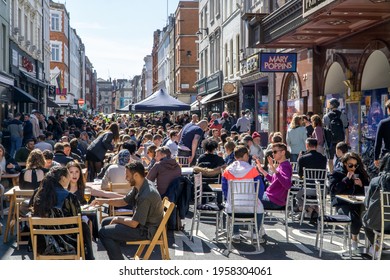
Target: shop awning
column 206, row 98
column 33, row 80
column 50, row 103
column 22, row 96
column 195, row 105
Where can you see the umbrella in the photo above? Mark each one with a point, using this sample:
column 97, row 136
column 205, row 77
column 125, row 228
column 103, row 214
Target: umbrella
column 160, row 101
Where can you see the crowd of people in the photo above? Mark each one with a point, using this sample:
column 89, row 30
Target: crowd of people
column 143, row 150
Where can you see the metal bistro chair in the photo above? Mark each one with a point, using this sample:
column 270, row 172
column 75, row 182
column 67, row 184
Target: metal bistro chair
column 383, row 234
column 242, row 207
column 183, row 161
column 330, row 220
column 211, row 210
column 309, row 179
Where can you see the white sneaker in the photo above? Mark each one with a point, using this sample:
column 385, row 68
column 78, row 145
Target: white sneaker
column 248, row 236
column 236, row 238
column 371, row 252
column 262, row 231
column 354, row 245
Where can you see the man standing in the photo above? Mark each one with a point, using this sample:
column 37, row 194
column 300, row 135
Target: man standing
column 27, row 129
column 148, row 213
column 243, row 124
column 15, row 128
column 382, row 135
column 337, row 123
column 34, row 118
column 189, row 140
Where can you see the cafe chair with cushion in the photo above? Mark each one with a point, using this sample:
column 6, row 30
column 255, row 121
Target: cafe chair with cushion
column 57, row 226
column 22, row 199
column 310, row 176
column 241, row 208
column 204, row 210
column 159, row 238
column 343, row 221
column 384, row 233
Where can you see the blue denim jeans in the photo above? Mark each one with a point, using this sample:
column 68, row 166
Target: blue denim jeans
column 16, row 143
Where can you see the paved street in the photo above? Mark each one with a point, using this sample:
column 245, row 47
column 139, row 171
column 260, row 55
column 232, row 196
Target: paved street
column 300, row 247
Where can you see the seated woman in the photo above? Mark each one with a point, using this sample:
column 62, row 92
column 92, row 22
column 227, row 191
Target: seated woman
column 33, row 174
column 349, row 179
column 7, row 165
column 116, row 173
column 54, row 200
column 150, row 158
column 372, row 219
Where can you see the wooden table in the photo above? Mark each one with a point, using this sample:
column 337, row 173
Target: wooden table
column 352, row 199
column 186, row 171
column 14, row 177
column 11, row 214
column 216, row 187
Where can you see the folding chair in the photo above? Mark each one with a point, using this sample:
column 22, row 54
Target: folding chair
column 310, row 176
column 211, row 210
column 57, row 226
column 124, row 189
column 384, row 233
column 330, row 220
column 159, row 238
column 241, row 208
column 21, row 198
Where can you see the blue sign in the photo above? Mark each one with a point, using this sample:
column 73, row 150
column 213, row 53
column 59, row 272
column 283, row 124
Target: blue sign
column 278, row 62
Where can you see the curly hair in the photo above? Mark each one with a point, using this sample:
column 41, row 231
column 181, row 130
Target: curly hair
column 46, row 198
column 35, row 159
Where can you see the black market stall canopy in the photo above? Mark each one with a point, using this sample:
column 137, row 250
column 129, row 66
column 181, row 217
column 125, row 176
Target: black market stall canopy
column 22, row 96
column 160, row 101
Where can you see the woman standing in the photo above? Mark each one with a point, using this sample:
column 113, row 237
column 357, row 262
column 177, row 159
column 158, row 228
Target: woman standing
column 54, row 200
column 318, row 133
column 31, row 177
column 296, row 137
column 350, row 178
column 98, row 148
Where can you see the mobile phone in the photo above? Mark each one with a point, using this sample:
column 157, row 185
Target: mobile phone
column 355, row 176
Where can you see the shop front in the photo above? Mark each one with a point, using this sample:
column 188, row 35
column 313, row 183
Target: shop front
column 6, row 83
column 209, row 94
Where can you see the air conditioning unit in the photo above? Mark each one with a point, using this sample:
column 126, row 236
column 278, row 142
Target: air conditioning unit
column 28, row 43
column 16, row 30
column 20, row 38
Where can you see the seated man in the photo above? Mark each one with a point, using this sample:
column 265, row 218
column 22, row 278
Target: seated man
column 310, row 159
column 42, row 144
column 116, row 173
column 22, row 153
column 242, row 170
column 59, row 154
column 148, row 213
column 164, row 171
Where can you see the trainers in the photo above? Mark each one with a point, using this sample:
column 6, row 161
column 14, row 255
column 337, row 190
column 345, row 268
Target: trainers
column 371, row 252
column 236, row 238
column 248, row 236
column 354, row 245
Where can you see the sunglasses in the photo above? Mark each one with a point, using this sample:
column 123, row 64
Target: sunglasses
column 275, row 151
column 353, row 166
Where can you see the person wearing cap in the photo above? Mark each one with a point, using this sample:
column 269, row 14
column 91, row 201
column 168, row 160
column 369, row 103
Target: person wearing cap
column 226, row 121
column 256, row 149
column 34, row 118
column 334, row 105
column 116, row 173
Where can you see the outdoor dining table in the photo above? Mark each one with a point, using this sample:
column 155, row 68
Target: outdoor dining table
column 14, row 177
column 352, row 199
column 186, row 171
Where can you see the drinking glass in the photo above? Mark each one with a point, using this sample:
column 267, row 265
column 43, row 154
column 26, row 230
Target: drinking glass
column 87, row 195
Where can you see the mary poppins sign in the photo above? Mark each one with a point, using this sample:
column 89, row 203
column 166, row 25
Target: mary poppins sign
column 278, row 62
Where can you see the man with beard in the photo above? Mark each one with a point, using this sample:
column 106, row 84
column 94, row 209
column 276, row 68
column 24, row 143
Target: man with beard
column 148, row 213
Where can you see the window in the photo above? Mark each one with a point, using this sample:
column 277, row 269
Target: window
column 3, row 47
column 55, row 22
column 211, row 10
column 231, row 57
column 55, row 52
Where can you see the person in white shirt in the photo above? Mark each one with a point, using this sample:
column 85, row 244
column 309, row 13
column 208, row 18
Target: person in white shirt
column 243, row 124
column 172, row 142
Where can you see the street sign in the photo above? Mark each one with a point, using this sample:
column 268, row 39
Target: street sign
column 80, row 101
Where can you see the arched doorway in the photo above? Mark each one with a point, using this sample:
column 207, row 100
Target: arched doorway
column 335, row 85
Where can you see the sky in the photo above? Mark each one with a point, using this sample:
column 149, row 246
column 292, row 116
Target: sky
column 118, row 34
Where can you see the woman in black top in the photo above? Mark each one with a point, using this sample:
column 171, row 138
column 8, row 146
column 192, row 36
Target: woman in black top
column 350, row 178
column 31, row 177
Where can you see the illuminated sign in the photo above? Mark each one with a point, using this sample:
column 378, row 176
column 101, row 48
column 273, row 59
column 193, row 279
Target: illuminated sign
column 278, row 62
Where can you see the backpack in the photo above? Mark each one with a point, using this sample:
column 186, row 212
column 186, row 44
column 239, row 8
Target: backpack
column 336, row 127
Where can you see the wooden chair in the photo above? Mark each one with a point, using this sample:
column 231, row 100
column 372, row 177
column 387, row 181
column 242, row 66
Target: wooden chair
column 159, row 238
column 383, row 233
column 45, row 226
column 21, row 198
column 121, row 188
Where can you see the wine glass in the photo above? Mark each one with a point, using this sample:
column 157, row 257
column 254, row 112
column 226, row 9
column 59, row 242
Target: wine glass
column 87, row 194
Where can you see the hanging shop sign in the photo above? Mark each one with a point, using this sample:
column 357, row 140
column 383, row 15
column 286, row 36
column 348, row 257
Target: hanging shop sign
column 278, row 62
column 311, row 6
column 249, row 65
